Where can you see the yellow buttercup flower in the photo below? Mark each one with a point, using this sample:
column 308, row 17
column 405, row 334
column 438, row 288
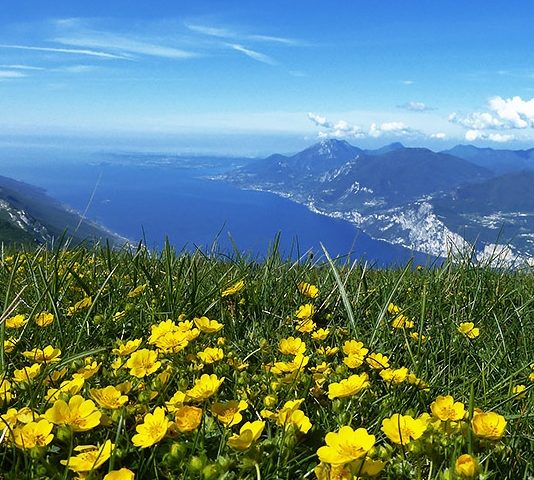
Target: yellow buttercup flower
column 249, row 433
column 402, row 429
column 292, row 346
column 80, row 414
column 160, row 330
column 79, row 306
column 353, row 347
column 206, row 325
column 143, row 362
column 27, row 374
column 309, row 290
column 233, row 289
column 466, row 466
column 205, row 387
column 16, row 322
column 305, row 312
column 469, row 330
column 297, row 364
column 173, row 342
column 9, row 344
column 187, row 418
column 211, row 355
column 228, row 413
column 320, row 334
column 71, row 387
column 306, row 326
column 377, row 361
column 393, row 309
column 48, row 354
column 445, row 408
column 327, row 351
column 44, row 319
column 122, row 474
column 394, row 376
column 137, row 291
column 90, row 458
column 290, row 414
column 33, row 434
column 89, row 369
column 5, row 391
column 176, row 401
column 345, row 446
column 402, row 321
column 108, row 397
column 348, row 387
column 152, row 430
column 125, row 349
column 519, row 391
column 488, row 425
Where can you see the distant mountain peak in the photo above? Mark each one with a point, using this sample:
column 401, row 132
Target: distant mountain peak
column 392, row 147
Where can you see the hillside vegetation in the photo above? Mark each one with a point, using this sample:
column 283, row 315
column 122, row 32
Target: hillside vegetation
column 131, row 364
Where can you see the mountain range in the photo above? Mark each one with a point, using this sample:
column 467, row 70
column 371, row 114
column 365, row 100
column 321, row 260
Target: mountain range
column 29, row 216
column 431, row 202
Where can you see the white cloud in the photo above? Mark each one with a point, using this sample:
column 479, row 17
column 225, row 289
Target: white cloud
column 72, row 51
column 473, row 135
column 259, row 57
column 390, row 128
column 124, row 45
column 210, row 31
column 226, row 33
column 319, row 120
column 439, row 136
column 11, row 74
column 21, row 67
column 503, row 114
column 415, row 106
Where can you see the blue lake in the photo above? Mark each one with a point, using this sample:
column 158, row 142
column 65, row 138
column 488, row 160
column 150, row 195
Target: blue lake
column 152, row 203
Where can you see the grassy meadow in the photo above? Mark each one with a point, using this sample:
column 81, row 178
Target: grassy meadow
column 171, row 365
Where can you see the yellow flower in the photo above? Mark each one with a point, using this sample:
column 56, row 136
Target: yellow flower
column 27, row 374
column 445, row 408
column 327, row 351
column 172, row 342
column 205, row 387
column 16, row 322
column 394, row 376
column 137, row 291
column 33, row 434
column 290, row 414
column 119, row 315
column 393, row 309
column 320, row 334
column 207, row 326
column 368, row 467
column 143, row 362
column 211, row 355
column 345, row 446
column 176, row 401
column 44, row 319
column 160, row 330
column 306, row 326
column 466, row 466
column 292, row 346
column 416, row 337
column 348, row 387
column 402, row 429
column 469, row 330
column 80, row 414
column 402, row 321
column 152, row 430
column 90, row 458
column 249, row 433
column 122, row 474
column 377, row 361
column 71, row 387
column 108, row 397
column 125, row 349
column 91, row 368
column 187, row 418
column 488, row 425
column 47, row 355
column 309, row 290
column 233, row 289
column 10, row 344
column 297, row 364
column 79, row 306
column 324, row 471
column 519, row 392
column 229, row 413
column 305, row 312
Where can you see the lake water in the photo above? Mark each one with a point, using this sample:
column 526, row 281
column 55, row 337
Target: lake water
column 181, row 204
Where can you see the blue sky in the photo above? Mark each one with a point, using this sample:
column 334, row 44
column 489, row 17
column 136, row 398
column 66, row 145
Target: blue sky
column 421, row 72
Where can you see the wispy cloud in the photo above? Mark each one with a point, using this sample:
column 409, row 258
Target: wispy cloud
column 123, row 45
column 71, row 51
column 407, row 82
column 22, row 67
column 227, row 33
column 416, row 107
column 11, row 74
column 258, row 56
column 211, row 31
